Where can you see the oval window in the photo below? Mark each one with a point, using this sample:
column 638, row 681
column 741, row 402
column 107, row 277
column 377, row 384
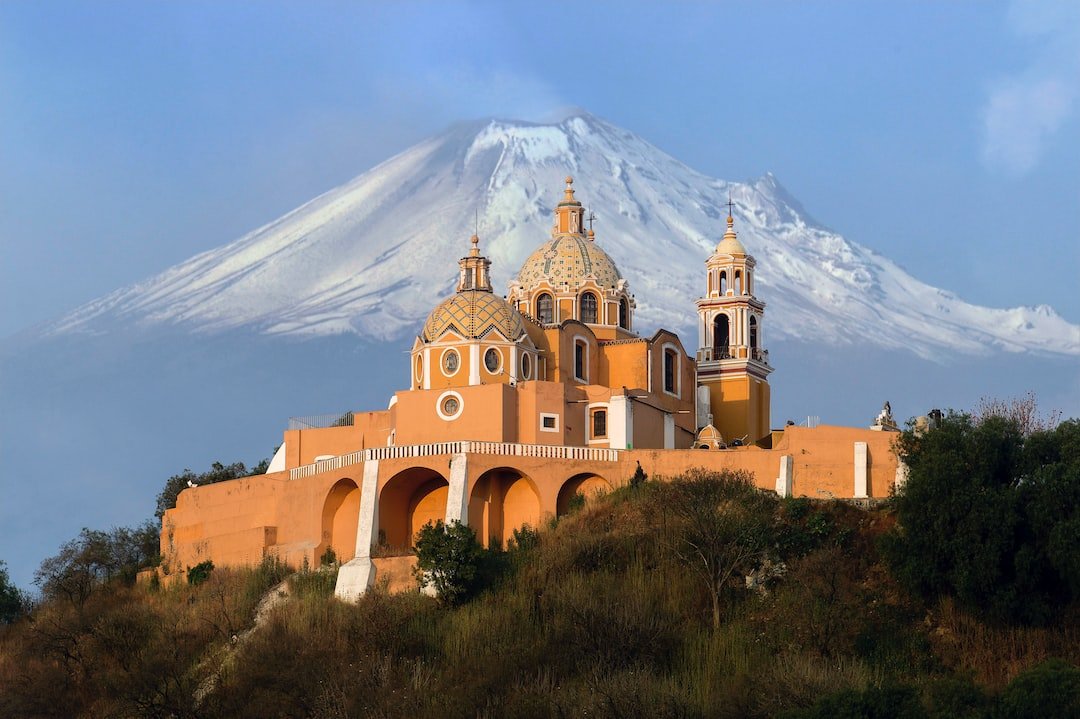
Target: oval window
column 419, row 370
column 492, row 359
column 450, row 361
column 526, row 366
column 450, row 406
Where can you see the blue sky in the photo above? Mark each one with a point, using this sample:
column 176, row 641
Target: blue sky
column 133, row 135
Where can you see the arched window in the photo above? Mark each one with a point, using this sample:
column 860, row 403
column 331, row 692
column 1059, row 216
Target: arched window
column 721, row 337
column 624, row 314
column 738, row 282
column 753, row 334
column 545, row 309
column 723, row 282
column 588, row 308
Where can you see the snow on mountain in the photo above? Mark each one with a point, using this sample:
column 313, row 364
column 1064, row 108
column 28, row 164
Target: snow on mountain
column 376, row 254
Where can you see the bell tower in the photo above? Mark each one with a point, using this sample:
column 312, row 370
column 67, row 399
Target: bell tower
column 732, row 364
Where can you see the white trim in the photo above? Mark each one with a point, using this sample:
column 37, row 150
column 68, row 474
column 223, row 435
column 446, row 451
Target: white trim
column 474, row 364
column 427, row 368
column 547, row 415
column 669, row 430
column 277, row 464
column 861, row 457
column 620, row 422
column 443, row 397
column 442, row 361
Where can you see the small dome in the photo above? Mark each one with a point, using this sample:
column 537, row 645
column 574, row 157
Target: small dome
column 729, row 244
column 569, row 259
column 472, row 314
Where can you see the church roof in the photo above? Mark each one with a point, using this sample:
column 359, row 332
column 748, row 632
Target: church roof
column 472, row 314
column 569, row 259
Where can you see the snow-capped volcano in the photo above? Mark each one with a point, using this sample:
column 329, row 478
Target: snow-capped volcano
column 374, row 255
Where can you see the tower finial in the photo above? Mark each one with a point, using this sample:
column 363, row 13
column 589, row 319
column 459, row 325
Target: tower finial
column 730, row 204
column 568, row 194
column 475, row 250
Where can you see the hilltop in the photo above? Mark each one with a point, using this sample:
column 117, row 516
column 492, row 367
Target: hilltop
column 602, row 613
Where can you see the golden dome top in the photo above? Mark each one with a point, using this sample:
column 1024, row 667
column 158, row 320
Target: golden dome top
column 569, row 259
column 472, row 314
column 729, row 244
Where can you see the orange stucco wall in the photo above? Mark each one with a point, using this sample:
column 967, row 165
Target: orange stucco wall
column 239, row 521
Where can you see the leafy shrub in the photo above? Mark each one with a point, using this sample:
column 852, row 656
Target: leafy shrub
column 199, row 573
column 1050, row 690
column 328, row 558
column 449, row 559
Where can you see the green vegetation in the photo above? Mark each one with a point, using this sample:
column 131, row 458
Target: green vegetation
column 449, row 559
column 199, row 573
column 696, row 596
column 13, row 603
column 991, row 516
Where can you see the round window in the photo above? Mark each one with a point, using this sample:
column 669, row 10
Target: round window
column 492, row 359
column 526, row 366
column 450, row 361
column 450, row 406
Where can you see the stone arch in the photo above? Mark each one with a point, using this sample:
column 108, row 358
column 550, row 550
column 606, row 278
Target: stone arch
column 340, row 516
column 407, row 501
column 502, row 500
column 587, row 485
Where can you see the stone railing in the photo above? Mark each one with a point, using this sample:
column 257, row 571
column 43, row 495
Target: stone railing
column 507, row 449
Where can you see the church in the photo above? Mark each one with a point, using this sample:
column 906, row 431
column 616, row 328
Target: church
column 518, row 404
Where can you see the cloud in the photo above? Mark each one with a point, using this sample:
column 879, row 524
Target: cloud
column 1025, row 110
column 1019, row 119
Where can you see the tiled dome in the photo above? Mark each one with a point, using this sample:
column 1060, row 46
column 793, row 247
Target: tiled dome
column 569, row 259
column 472, row 314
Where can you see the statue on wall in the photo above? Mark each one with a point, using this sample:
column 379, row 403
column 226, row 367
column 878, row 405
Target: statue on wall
column 885, row 418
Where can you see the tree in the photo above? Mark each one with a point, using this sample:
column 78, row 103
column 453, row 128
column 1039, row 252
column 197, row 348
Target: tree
column 12, row 600
column 96, row 557
column 990, row 514
column 722, row 527
column 449, row 559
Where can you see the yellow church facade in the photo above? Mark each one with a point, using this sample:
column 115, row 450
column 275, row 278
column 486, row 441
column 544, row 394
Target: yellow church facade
column 516, row 405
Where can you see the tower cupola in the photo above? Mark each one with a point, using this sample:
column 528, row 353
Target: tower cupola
column 474, row 269
column 733, row 364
